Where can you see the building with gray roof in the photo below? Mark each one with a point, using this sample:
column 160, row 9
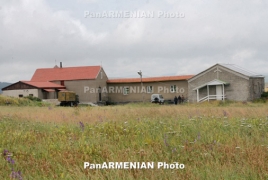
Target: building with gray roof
column 225, row 82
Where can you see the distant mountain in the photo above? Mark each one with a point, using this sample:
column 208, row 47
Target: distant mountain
column 266, row 79
column 2, row 85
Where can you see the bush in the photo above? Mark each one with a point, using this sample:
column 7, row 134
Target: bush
column 264, row 95
column 32, row 98
column 26, row 101
column 260, row 100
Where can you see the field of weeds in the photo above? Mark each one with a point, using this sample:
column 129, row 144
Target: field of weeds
column 213, row 141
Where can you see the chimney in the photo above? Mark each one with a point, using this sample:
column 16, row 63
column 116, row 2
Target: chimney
column 60, row 64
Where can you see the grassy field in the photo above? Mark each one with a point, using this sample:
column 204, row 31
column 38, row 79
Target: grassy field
column 213, row 141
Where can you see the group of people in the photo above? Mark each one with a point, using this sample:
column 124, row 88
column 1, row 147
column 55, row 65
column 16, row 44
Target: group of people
column 179, row 99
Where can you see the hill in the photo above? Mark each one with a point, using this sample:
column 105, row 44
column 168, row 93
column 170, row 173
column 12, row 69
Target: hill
column 2, row 85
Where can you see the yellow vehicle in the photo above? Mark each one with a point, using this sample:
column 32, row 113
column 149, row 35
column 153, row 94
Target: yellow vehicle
column 68, row 98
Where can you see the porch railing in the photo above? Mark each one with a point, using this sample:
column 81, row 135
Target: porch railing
column 212, row 97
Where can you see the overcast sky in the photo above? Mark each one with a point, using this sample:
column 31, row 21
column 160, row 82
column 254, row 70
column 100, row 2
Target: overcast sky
column 36, row 33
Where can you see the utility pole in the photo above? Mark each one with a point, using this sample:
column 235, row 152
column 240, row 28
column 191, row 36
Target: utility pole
column 140, row 73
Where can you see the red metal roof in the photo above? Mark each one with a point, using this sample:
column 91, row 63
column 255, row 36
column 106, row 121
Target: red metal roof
column 66, row 73
column 151, row 79
column 44, row 85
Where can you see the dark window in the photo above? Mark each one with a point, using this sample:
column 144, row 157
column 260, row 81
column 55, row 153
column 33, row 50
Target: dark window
column 20, row 95
column 62, row 83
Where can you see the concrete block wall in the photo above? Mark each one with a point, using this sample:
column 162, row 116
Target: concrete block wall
column 237, row 90
column 24, row 92
column 256, row 87
column 182, row 87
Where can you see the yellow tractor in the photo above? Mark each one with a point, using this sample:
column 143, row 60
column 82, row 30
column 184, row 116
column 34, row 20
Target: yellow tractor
column 68, row 98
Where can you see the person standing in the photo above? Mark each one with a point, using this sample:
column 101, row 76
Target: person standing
column 179, row 99
column 182, row 99
column 175, row 100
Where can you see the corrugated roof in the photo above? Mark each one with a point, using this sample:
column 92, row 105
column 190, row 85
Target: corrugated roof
column 44, row 85
column 67, row 73
column 151, row 79
column 241, row 70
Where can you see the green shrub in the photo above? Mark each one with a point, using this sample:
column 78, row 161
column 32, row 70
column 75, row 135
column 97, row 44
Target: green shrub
column 32, row 98
column 264, row 95
column 26, row 101
column 260, row 100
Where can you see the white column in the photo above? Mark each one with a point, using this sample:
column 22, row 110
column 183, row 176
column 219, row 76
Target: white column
column 223, row 91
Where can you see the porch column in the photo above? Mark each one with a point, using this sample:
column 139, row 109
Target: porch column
column 223, row 94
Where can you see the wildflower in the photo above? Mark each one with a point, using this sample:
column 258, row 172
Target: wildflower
column 5, row 152
column 8, row 159
column 81, row 125
column 193, row 142
column 224, row 113
column 199, row 136
column 165, row 141
column 16, row 175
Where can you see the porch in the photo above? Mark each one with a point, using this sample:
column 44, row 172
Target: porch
column 213, row 90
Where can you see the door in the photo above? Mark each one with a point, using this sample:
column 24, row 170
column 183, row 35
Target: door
column 219, row 92
column 99, row 93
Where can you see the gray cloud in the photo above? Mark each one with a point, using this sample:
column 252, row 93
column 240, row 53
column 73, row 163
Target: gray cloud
column 35, row 34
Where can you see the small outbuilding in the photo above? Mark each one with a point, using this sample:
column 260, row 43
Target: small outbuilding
column 42, row 90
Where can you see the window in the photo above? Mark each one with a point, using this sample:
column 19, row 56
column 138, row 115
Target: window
column 173, row 88
column 126, row 90
column 20, row 95
column 31, row 95
column 149, row 89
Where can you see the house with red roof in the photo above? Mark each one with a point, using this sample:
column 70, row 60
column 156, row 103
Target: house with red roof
column 47, row 82
column 42, row 90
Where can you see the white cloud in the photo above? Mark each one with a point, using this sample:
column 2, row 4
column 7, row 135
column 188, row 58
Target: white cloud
column 87, row 1
column 34, row 34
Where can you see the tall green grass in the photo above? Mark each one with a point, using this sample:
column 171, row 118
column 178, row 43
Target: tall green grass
column 25, row 101
column 213, row 141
